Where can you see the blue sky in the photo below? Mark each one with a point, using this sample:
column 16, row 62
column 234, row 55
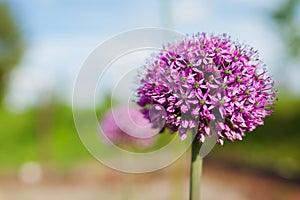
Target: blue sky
column 60, row 34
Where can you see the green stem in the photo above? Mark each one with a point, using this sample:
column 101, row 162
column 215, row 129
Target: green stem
column 195, row 171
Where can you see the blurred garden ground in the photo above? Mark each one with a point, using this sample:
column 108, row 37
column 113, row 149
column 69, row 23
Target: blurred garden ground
column 42, row 157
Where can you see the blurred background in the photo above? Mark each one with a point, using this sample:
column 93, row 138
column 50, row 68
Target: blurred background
column 42, row 46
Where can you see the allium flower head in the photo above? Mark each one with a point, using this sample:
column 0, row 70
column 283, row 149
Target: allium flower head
column 126, row 126
column 205, row 82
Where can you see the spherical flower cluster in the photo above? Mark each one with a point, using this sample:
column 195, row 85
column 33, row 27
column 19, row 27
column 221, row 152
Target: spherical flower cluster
column 207, row 83
column 126, row 126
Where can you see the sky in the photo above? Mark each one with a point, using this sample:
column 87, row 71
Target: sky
column 60, row 34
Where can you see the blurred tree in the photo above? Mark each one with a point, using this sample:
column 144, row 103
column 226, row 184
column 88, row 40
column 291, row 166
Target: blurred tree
column 286, row 17
column 10, row 46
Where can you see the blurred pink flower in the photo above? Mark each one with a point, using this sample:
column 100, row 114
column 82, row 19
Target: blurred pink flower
column 126, row 126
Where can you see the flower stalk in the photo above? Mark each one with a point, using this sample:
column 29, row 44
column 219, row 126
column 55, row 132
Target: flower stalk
column 195, row 171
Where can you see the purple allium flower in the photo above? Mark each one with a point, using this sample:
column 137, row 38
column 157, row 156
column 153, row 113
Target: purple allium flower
column 205, row 82
column 126, row 126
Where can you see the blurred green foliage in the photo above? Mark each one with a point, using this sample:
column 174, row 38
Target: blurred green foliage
column 17, row 138
column 11, row 45
column 21, row 140
column 286, row 17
